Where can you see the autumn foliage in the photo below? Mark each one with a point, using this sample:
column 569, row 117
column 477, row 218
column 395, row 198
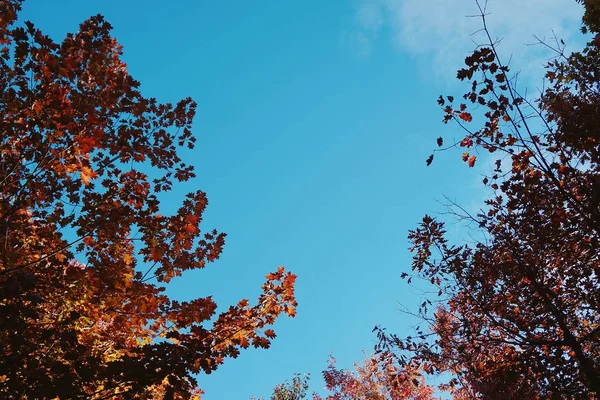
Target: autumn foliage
column 518, row 312
column 86, row 254
column 377, row 378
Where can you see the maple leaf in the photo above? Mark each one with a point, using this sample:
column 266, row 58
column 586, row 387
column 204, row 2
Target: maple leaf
column 128, row 258
column 87, row 174
column 270, row 333
column 37, row 107
column 88, row 240
column 192, row 219
column 87, row 143
column 289, row 281
column 190, row 228
column 465, row 116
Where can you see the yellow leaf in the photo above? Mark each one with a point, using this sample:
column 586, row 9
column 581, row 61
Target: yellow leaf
column 87, row 174
column 128, row 258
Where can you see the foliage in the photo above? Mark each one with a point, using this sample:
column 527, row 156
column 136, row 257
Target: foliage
column 519, row 312
column 294, row 390
column 86, row 254
column 376, row 379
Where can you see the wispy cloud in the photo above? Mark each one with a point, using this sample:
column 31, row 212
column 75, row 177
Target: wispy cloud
column 439, row 31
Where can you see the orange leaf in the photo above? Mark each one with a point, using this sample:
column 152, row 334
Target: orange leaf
column 191, row 219
column 87, row 143
column 87, row 174
column 37, row 107
column 288, row 282
column 472, row 161
column 128, row 258
column 190, row 228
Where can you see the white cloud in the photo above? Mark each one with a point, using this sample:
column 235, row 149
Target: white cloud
column 439, row 31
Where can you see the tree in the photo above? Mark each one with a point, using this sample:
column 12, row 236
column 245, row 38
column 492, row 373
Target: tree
column 518, row 313
column 376, row 379
column 86, row 255
column 294, row 390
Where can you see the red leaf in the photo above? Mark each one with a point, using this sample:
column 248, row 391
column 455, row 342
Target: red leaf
column 466, row 142
column 270, row 333
column 465, row 116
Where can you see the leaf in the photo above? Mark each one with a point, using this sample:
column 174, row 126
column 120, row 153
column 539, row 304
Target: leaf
column 289, row 281
column 465, row 116
column 270, row 333
column 87, row 174
column 440, row 141
column 128, row 258
column 429, row 160
column 37, row 107
column 189, row 228
column 192, row 219
column 471, row 161
column 466, row 142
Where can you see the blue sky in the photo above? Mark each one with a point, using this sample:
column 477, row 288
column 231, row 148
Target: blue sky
column 314, row 122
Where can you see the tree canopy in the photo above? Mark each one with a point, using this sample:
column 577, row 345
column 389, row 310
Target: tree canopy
column 88, row 248
column 86, row 253
column 518, row 312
